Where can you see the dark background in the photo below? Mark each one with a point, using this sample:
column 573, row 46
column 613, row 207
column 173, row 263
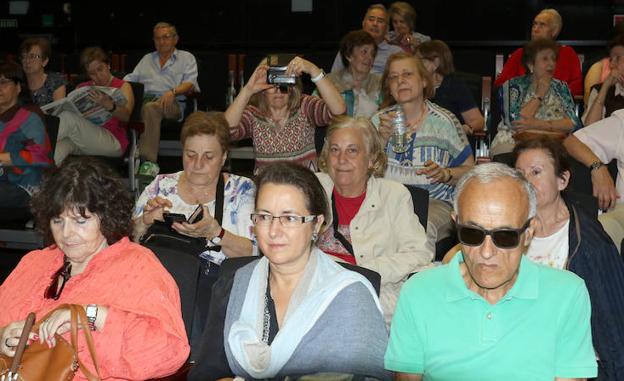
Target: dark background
column 475, row 30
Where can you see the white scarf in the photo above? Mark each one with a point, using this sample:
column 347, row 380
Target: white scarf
column 322, row 280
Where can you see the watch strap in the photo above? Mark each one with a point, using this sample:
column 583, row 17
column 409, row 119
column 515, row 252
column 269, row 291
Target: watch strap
column 595, row 165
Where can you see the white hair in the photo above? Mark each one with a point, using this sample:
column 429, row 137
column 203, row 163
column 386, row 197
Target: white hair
column 556, row 18
column 163, row 24
column 490, row 172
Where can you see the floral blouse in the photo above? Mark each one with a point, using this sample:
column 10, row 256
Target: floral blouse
column 239, row 193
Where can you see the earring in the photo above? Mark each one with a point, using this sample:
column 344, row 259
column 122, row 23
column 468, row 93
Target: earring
column 314, row 237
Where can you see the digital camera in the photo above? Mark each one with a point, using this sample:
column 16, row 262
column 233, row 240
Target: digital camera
column 278, row 64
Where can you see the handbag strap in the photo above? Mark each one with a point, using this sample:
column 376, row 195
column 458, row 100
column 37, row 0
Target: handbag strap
column 219, row 199
column 79, row 317
column 21, row 346
column 341, row 238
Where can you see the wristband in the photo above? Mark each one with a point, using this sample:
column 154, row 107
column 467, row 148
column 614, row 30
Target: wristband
column 320, row 76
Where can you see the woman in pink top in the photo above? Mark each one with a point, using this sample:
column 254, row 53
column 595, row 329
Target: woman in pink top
column 96, row 136
column 131, row 301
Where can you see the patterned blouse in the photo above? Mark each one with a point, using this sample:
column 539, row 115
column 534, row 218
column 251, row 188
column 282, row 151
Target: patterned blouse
column 292, row 142
column 239, row 193
column 441, row 139
column 44, row 95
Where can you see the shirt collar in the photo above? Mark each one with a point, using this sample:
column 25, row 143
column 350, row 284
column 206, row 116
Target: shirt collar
column 525, row 287
column 174, row 56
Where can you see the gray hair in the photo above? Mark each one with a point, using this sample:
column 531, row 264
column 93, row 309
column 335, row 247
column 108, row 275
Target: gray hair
column 490, row 172
column 163, row 24
column 556, row 18
column 380, row 7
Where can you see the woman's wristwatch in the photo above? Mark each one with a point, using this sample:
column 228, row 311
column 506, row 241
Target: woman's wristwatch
column 216, row 240
column 595, row 165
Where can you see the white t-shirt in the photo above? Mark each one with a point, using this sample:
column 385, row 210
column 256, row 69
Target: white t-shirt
column 551, row 251
column 606, row 140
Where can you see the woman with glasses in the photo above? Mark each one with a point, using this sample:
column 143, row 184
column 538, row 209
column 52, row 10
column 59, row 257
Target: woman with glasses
column 45, row 87
column 202, row 184
column 432, row 151
column 567, row 237
column 25, row 149
column 131, row 302
column 79, row 136
column 373, row 224
column 280, row 119
column 294, row 311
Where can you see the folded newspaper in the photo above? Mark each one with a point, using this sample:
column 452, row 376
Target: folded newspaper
column 80, row 102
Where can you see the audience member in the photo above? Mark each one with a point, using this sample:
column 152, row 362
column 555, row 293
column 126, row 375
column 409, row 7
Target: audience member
column 360, row 89
column 372, row 221
column 594, row 146
column 205, row 141
column 79, row 136
column 435, row 153
column 168, row 74
column 567, row 237
column 24, row 144
column 547, row 24
column 375, row 23
column 403, row 18
column 280, row 119
column 536, row 103
column 132, row 303
column 599, row 71
column 451, row 92
column 294, row 311
column 45, row 87
column 491, row 312
column 608, row 95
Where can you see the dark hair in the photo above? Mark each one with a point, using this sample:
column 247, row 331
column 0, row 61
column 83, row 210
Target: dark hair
column 41, row 42
column 85, row 184
column 13, row 71
column 438, row 49
column 428, row 91
column 207, row 123
column 286, row 173
column 93, row 53
column 553, row 147
column 352, row 40
column 533, row 47
column 617, row 40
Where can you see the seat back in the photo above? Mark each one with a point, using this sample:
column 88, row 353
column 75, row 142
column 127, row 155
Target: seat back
column 420, row 199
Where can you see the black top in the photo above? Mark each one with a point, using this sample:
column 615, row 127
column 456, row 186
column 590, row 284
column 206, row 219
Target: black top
column 455, row 96
column 612, row 102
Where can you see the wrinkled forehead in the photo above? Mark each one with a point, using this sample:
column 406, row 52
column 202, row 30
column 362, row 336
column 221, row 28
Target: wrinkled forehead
column 544, row 18
column 501, row 202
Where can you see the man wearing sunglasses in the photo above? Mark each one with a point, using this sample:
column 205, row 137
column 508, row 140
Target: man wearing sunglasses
column 491, row 313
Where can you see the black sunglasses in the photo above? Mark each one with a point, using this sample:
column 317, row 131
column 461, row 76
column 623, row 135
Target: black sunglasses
column 503, row 238
column 54, row 291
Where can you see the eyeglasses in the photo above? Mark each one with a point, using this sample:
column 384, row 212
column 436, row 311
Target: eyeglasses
column 503, row 238
column 405, row 75
column 164, row 37
column 5, row 82
column 30, row 57
column 287, row 221
column 54, row 291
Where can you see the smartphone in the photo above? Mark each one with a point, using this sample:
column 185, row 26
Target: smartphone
column 197, row 215
column 170, row 218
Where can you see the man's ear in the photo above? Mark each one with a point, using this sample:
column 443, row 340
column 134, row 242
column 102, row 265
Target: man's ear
column 530, row 232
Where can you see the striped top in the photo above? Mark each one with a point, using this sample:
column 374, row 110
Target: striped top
column 441, row 139
column 292, row 142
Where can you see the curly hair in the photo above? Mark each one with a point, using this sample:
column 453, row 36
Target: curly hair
column 534, row 47
column 352, row 40
column 84, row 184
column 372, row 140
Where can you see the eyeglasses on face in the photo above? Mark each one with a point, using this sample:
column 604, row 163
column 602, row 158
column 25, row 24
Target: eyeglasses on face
column 30, row 57
column 504, row 238
column 287, row 220
column 63, row 274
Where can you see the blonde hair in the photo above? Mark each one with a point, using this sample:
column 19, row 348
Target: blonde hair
column 428, row 91
column 404, row 10
column 372, row 140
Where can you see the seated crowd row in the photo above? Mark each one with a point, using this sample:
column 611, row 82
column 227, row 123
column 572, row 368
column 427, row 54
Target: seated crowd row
column 355, row 210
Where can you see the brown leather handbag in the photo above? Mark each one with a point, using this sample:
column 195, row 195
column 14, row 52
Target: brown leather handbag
column 59, row 363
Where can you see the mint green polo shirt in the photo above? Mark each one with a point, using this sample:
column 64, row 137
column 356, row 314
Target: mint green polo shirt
column 538, row 331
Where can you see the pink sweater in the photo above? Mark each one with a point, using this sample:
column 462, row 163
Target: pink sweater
column 143, row 336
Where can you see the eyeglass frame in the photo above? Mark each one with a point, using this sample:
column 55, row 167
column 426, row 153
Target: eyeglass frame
column 487, row 232
column 53, row 291
column 301, row 219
